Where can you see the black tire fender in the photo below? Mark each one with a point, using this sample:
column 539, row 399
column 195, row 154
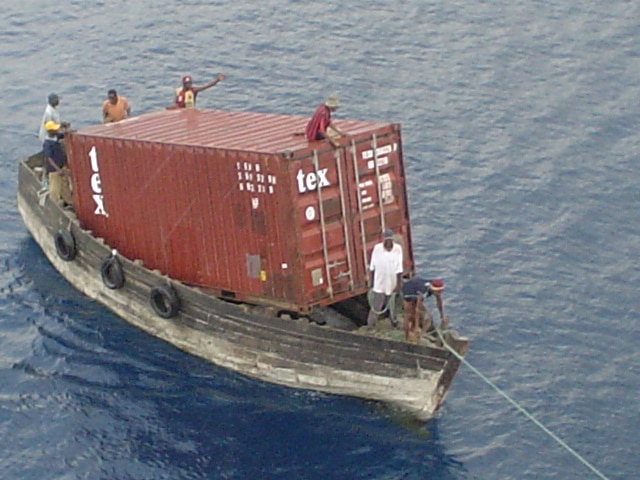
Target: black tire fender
column 165, row 301
column 112, row 273
column 65, row 245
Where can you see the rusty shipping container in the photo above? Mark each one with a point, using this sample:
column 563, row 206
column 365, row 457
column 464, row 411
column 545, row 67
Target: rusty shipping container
column 240, row 204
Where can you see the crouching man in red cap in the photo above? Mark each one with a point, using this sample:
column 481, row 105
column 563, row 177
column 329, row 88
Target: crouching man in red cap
column 414, row 292
column 185, row 96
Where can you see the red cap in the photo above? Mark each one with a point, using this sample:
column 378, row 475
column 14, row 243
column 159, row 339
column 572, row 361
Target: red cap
column 436, row 285
column 186, row 79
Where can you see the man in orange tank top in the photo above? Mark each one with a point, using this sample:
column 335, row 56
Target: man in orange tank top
column 115, row 108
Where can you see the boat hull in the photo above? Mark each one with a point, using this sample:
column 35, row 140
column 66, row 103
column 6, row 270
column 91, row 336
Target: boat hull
column 243, row 338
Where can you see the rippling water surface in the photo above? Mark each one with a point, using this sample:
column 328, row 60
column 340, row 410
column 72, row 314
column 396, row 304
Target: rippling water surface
column 520, row 124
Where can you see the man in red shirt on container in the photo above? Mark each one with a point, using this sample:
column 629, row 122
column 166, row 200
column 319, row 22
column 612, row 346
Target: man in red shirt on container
column 186, row 95
column 320, row 126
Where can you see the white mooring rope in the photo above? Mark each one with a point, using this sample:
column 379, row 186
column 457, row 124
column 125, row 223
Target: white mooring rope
column 522, row 410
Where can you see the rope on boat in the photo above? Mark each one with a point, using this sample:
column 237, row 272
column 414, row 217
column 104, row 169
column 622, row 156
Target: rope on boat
column 390, row 305
column 522, row 410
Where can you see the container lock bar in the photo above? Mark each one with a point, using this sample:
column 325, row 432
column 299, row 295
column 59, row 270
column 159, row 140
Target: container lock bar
column 345, row 227
column 374, row 144
column 354, row 155
column 323, row 227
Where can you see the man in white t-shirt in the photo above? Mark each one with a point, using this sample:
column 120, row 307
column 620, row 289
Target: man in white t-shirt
column 386, row 271
column 51, row 114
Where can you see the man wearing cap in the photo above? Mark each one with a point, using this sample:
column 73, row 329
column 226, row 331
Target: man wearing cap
column 414, row 292
column 320, row 125
column 55, row 165
column 186, row 95
column 51, row 114
column 386, row 277
column 115, row 108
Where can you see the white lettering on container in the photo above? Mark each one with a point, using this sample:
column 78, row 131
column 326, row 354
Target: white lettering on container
column 307, row 182
column 380, row 151
column 310, row 213
column 251, row 179
column 386, row 189
column 96, row 184
column 382, row 161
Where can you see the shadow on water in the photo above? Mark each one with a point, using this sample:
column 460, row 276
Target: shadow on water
column 141, row 408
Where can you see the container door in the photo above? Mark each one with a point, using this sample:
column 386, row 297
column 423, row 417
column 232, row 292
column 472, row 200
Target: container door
column 326, row 244
column 346, row 196
column 379, row 201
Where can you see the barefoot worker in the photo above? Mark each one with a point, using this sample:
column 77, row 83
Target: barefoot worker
column 414, row 292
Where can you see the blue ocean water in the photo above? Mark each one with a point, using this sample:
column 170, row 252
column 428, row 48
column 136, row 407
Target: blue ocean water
column 520, row 125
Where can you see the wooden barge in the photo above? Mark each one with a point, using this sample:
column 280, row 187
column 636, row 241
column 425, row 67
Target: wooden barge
column 231, row 237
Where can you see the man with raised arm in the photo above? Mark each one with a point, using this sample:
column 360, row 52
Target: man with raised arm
column 185, row 96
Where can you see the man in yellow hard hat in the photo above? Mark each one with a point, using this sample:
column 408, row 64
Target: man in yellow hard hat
column 55, row 162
